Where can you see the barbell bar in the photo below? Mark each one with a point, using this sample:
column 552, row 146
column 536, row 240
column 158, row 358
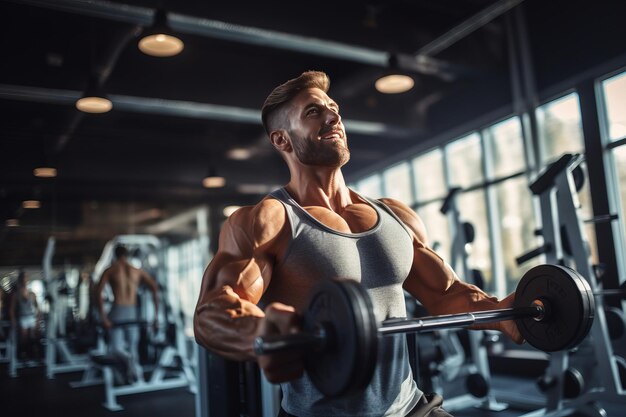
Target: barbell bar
column 553, row 309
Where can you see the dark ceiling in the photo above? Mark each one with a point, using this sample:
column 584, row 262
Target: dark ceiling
column 144, row 161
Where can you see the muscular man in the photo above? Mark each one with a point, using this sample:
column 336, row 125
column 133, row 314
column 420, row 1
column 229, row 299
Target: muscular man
column 124, row 279
column 270, row 255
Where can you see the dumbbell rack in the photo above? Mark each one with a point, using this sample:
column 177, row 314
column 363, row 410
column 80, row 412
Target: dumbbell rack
column 560, row 211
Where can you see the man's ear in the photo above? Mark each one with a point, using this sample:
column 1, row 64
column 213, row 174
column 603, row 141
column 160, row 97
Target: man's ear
column 280, row 140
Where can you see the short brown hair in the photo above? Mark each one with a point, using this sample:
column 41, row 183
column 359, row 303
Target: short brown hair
column 285, row 92
column 120, row 251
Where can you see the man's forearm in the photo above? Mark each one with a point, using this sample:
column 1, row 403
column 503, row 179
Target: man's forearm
column 227, row 326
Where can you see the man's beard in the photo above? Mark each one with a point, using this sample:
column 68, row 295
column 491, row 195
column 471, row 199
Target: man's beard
column 318, row 153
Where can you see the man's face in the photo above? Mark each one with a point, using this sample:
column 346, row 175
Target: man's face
column 317, row 133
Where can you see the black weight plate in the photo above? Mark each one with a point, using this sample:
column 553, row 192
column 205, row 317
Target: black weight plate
column 477, row 385
column 345, row 310
column 573, row 383
column 571, row 307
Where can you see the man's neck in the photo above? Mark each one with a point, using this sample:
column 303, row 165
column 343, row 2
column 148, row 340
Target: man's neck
column 324, row 187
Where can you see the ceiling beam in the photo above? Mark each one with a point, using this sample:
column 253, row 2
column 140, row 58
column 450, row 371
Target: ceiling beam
column 466, row 27
column 182, row 108
column 244, row 34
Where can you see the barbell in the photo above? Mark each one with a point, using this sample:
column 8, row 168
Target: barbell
column 553, row 309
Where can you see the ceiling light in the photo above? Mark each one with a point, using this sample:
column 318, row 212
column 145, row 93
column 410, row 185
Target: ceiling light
column 228, row 210
column 394, row 80
column 12, row 222
column 239, row 154
column 94, row 99
column 45, row 172
column 213, row 181
column 158, row 40
column 94, row 104
column 31, row 204
column 394, row 84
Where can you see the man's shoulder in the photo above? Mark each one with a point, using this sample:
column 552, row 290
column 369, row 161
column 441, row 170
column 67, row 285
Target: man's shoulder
column 267, row 210
column 398, row 207
column 261, row 222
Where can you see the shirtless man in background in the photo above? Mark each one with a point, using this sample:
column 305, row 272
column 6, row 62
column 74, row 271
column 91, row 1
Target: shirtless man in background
column 124, row 280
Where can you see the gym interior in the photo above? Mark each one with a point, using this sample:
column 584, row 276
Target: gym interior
column 137, row 123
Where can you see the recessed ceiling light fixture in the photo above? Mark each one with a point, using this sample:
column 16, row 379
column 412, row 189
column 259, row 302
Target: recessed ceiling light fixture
column 12, row 222
column 239, row 154
column 31, row 204
column 45, row 171
column 158, row 40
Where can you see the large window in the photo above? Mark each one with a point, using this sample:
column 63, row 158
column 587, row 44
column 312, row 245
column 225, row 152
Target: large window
column 560, row 128
column 507, row 148
column 465, row 161
column 516, row 225
column 430, row 190
column 371, row 186
column 397, row 182
column 619, row 158
column 614, row 92
column 512, row 210
column 429, row 178
column 474, row 210
column 437, row 228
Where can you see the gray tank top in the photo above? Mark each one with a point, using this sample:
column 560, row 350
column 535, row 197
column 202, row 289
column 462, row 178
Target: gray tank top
column 379, row 258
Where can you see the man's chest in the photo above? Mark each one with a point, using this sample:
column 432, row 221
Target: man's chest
column 354, row 218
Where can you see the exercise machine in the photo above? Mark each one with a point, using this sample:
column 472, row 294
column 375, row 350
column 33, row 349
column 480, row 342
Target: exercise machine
column 563, row 243
column 59, row 357
column 173, row 368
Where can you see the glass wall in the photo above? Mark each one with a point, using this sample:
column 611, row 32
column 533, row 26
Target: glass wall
column 465, row 169
column 397, row 183
column 371, row 186
column 613, row 92
column 512, row 207
column 428, row 176
column 560, row 128
column 430, row 188
column 464, row 157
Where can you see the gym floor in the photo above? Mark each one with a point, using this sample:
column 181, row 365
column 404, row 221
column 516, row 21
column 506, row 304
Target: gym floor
column 31, row 394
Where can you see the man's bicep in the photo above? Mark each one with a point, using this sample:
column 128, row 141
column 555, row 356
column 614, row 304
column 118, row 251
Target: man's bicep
column 247, row 276
column 246, row 255
column 430, row 278
column 237, row 265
